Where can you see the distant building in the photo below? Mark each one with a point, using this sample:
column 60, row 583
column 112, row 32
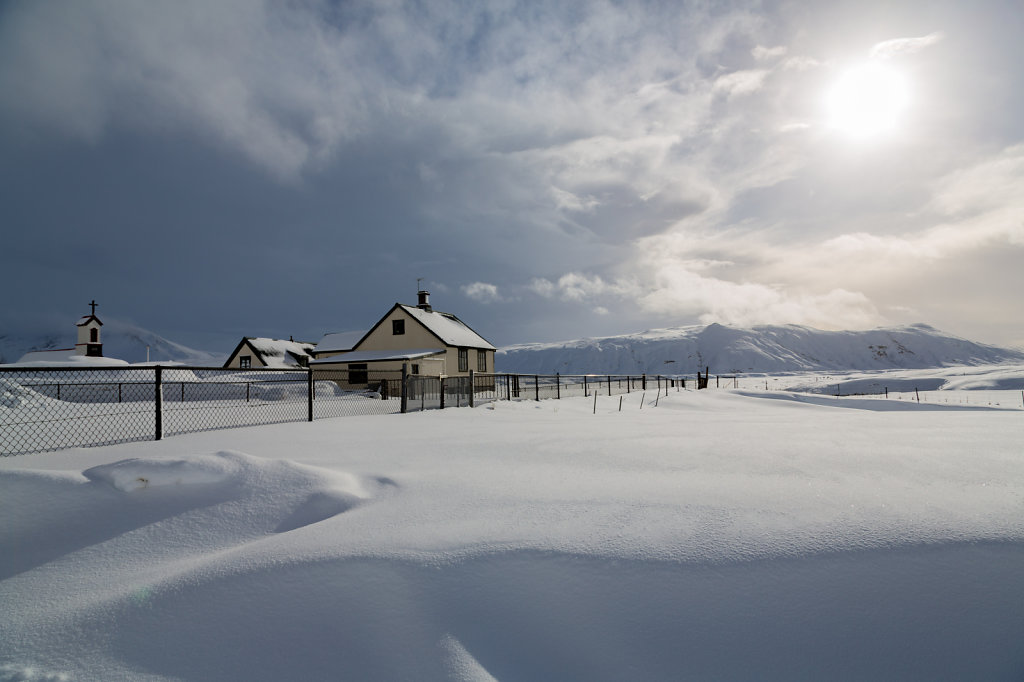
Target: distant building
column 89, row 335
column 259, row 352
column 89, row 344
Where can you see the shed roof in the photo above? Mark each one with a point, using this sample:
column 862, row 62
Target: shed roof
column 379, row 356
column 336, row 342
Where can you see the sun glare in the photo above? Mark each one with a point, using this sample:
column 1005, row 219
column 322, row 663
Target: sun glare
column 867, row 100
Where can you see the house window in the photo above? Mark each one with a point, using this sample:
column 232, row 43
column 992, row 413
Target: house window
column 481, row 361
column 463, row 359
column 415, row 368
column 245, row 361
column 94, row 335
column 397, row 327
column 357, row 373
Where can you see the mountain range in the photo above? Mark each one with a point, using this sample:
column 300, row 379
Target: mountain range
column 673, row 350
column 759, row 349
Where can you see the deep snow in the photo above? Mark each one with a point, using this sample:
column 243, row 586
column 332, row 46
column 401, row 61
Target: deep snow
column 715, row 535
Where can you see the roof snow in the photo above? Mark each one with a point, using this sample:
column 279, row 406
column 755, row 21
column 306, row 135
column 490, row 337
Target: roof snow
column 339, row 341
column 280, row 353
column 447, row 327
column 63, row 357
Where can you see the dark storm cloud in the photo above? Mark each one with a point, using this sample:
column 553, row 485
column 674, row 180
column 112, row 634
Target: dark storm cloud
column 551, row 170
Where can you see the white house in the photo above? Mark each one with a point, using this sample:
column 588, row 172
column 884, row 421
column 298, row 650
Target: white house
column 429, row 341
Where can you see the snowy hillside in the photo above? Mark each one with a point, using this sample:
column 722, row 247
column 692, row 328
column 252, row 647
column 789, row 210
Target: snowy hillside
column 786, row 348
column 120, row 340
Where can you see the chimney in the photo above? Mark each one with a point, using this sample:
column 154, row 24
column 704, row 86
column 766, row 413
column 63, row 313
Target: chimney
column 424, row 300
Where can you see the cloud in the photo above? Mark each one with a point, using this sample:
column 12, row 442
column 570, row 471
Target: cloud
column 679, row 292
column 481, row 292
column 900, row 46
column 575, row 286
column 542, row 287
column 621, row 157
column 762, row 53
column 740, row 82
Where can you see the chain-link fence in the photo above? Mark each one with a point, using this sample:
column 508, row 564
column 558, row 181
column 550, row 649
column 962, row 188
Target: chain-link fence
column 555, row 386
column 52, row 409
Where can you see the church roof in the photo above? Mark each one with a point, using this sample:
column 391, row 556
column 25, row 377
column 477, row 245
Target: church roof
column 87, row 319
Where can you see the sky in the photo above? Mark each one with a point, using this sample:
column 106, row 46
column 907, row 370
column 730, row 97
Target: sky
column 549, row 170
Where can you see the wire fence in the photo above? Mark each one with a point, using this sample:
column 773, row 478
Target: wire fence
column 44, row 409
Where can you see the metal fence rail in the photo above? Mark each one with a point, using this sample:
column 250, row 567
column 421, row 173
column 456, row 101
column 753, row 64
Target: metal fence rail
column 44, row 409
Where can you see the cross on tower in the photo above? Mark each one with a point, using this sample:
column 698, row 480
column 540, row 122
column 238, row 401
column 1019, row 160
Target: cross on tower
column 93, row 304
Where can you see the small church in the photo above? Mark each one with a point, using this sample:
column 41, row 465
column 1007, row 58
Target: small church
column 89, row 334
column 89, row 343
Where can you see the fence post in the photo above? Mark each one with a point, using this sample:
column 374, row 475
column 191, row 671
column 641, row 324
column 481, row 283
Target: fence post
column 609, row 384
column 309, row 391
column 405, row 389
column 585, row 394
column 440, row 381
column 643, row 381
column 536, row 388
column 472, row 389
column 158, row 385
column 558, row 386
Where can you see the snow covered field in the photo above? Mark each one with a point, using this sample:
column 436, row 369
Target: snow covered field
column 722, row 535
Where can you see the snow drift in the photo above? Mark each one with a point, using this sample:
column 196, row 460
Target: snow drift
column 717, row 535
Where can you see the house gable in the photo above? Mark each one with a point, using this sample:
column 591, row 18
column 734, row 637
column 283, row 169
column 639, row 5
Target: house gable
column 244, row 348
column 265, row 352
column 421, row 329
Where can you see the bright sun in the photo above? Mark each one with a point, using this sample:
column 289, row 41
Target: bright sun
column 867, row 100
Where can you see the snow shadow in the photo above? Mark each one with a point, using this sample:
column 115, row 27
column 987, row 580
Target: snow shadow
column 48, row 516
column 51, row 515
column 931, row 612
column 869, row 404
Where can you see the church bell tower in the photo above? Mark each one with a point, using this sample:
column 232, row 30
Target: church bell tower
column 89, row 335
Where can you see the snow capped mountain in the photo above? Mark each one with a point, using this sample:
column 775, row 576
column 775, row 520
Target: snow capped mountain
column 121, row 340
column 785, row 348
